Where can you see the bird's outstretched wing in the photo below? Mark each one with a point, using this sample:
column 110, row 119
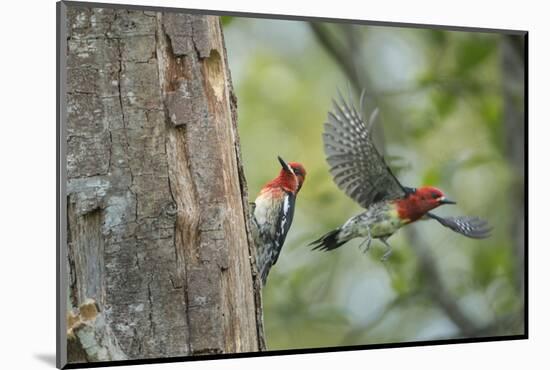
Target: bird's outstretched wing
column 355, row 163
column 470, row 226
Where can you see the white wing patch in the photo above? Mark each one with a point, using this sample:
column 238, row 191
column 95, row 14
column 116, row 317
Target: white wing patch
column 286, row 205
column 286, row 208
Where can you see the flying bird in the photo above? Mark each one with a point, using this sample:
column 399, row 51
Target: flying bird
column 361, row 172
column 273, row 214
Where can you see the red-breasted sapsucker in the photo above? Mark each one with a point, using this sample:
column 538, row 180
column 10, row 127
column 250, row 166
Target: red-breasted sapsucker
column 273, row 213
column 361, row 172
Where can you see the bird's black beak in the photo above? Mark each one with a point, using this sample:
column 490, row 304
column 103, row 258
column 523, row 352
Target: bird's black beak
column 285, row 165
column 446, row 201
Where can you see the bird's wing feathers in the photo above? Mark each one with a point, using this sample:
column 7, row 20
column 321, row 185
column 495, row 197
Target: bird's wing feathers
column 470, row 226
column 355, row 163
column 284, row 222
column 273, row 236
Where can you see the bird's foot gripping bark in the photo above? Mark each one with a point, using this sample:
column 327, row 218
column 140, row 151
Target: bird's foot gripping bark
column 388, row 250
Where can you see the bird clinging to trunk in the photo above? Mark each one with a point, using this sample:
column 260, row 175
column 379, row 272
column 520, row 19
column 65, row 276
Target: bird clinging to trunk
column 273, row 214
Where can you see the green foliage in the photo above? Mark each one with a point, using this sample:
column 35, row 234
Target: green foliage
column 443, row 120
column 472, row 50
column 226, row 20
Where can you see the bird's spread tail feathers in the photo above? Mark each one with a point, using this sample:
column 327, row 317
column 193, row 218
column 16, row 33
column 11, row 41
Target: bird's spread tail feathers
column 265, row 258
column 329, row 241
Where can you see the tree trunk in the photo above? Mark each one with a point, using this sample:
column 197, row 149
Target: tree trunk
column 158, row 245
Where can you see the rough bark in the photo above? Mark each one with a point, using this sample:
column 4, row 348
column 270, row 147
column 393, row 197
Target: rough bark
column 157, row 224
column 89, row 338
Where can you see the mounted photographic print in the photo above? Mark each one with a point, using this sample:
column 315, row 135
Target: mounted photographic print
column 236, row 184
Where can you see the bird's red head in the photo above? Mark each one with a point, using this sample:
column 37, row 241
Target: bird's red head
column 291, row 177
column 422, row 200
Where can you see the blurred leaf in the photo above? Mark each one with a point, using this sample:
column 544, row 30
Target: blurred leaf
column 490, row 107
column 475, row 161
column 490, row 263
column 444, row 103
column 437, row 37
column 426, row 79
column 472, row 51
column 432, row 176
column 400, row 284
column 227, row 20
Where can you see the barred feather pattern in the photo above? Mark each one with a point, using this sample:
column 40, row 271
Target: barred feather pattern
column 355, row 164
column 470, row 226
